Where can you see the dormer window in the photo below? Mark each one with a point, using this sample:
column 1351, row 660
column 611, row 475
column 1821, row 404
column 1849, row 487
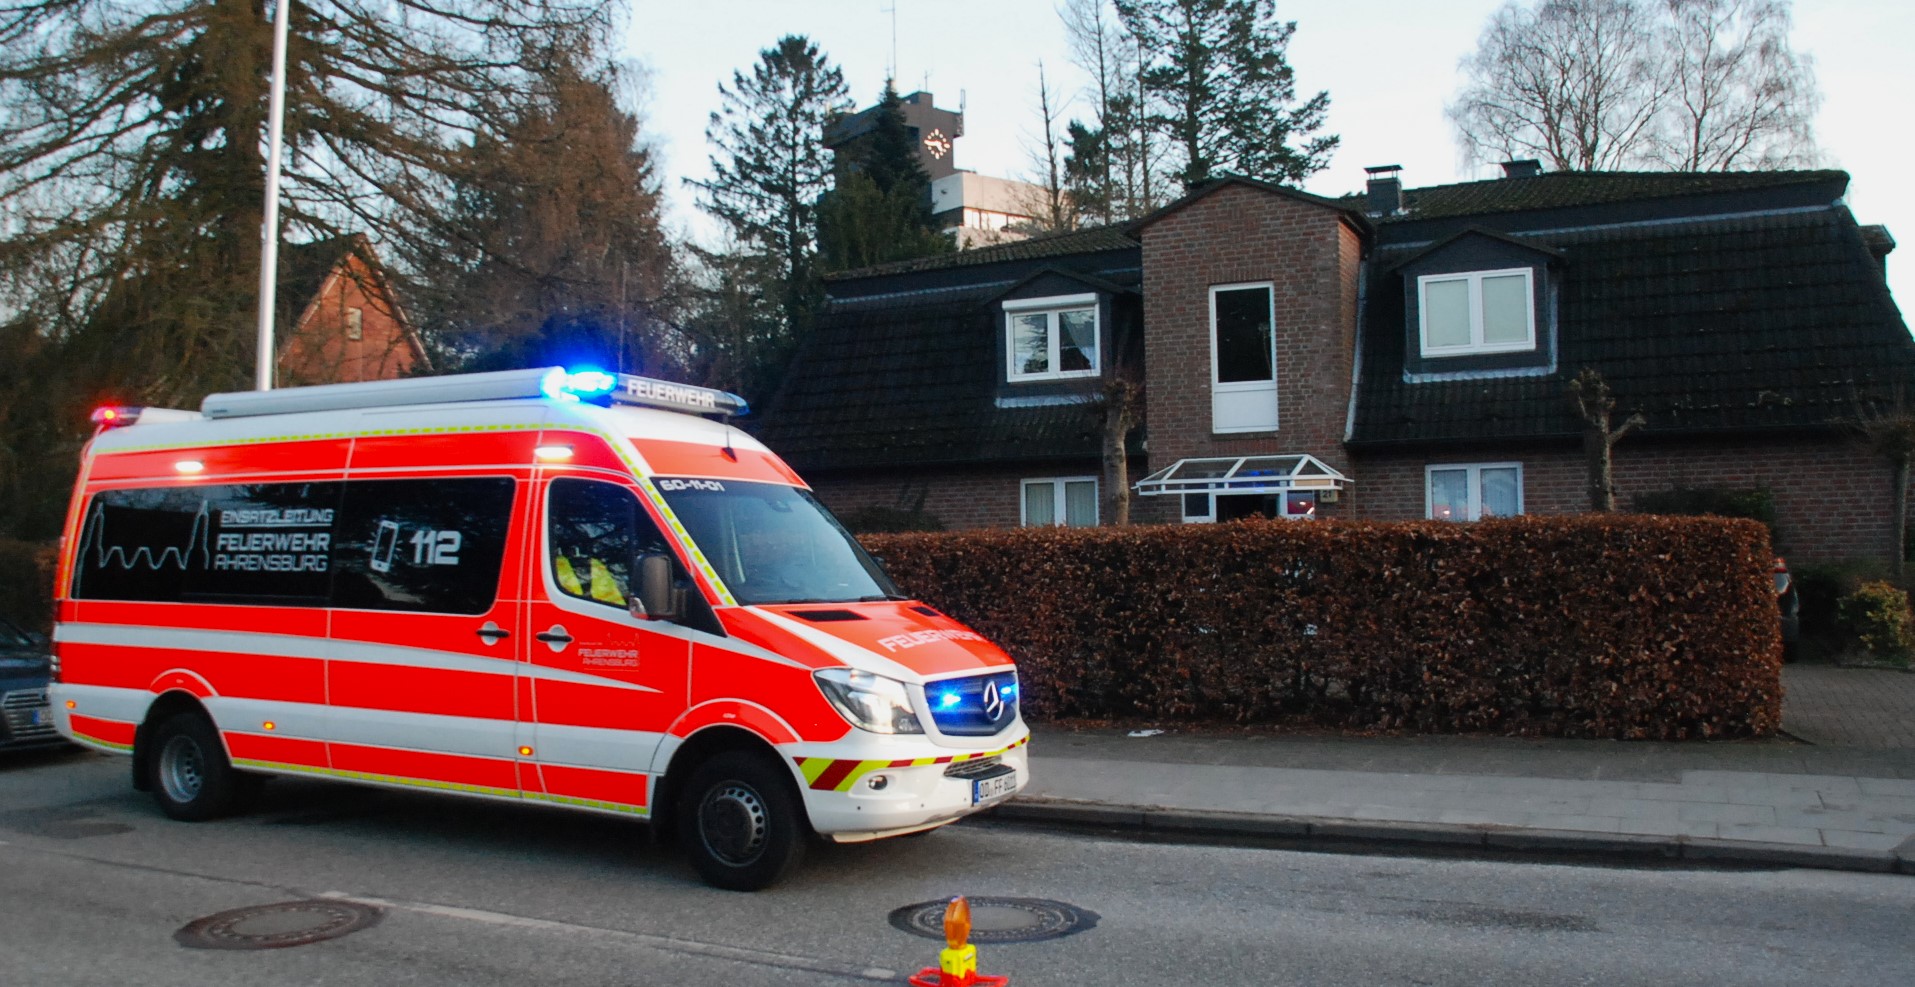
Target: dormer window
column 1477, row 312
column 1051, row 338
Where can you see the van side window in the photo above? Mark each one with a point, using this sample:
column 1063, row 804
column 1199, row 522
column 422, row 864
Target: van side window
column 258, row 543
column 427, row 545
column 594, row 530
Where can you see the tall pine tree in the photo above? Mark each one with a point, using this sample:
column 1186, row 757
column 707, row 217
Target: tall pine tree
column 880, row 209
column 556, row 253
column 769, row 166
column 1225, row 94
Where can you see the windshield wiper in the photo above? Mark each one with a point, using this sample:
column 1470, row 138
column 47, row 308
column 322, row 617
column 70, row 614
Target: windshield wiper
column 883, row 597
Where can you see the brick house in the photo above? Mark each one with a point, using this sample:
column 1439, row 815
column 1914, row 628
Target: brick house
column 339, row 320
column 1401, row 353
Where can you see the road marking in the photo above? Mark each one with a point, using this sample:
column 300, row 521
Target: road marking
column 672, row 944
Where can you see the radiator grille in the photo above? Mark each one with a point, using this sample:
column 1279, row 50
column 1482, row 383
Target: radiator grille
column 19, row 709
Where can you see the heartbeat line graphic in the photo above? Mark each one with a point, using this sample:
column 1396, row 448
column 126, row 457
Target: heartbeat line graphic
column 103, row 552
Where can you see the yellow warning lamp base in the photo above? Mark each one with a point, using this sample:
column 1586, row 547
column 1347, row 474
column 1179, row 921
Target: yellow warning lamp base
column 957, row 966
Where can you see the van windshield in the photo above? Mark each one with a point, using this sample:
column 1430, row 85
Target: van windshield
column 775, row 544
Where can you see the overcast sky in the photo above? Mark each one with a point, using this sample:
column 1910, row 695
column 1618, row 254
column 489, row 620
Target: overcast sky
column 1389, row 66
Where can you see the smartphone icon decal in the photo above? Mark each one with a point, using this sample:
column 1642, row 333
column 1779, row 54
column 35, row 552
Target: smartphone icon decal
column 384, row 545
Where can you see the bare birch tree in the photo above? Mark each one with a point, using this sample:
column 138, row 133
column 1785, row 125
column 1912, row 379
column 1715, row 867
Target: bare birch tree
column 1051, row 206
column 1575, row 83
column 1593, row 85
column 1740, row 97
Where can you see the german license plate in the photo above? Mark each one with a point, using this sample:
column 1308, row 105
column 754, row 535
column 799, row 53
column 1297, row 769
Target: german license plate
column 991, row 789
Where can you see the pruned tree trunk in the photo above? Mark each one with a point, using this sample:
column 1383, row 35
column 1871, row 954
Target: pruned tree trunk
column 1596, row 406
column 1120, row 416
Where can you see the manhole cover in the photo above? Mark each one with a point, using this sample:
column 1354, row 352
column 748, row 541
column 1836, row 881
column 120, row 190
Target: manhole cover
column 289, row 923
column 997, row 920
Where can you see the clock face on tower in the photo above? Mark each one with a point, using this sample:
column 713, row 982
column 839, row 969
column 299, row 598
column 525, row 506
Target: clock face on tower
column 938, row 144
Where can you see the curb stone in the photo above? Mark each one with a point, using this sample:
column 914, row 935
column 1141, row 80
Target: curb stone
column 1302, row 831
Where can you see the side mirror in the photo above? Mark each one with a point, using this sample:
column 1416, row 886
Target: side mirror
column 657, row 598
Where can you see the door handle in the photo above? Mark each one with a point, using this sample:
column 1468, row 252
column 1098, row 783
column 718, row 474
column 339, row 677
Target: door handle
column 556, row 637
column 493, row 633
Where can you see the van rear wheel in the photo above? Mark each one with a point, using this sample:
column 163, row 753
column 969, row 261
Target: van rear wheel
column 742, row 822
column 190, row 776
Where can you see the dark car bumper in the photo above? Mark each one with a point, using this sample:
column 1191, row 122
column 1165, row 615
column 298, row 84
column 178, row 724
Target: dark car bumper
column 26, row 719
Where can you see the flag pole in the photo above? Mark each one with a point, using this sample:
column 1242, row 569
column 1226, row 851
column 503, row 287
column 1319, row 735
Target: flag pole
column 269, row 229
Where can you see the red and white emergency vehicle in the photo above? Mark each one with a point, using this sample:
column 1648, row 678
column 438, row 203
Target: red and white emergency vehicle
column 580, row 589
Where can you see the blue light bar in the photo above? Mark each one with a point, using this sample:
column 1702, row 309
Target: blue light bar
column 597, row 385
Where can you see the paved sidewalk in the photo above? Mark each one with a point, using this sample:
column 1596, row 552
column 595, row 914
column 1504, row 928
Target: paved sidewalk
column 1779, row 802
column 1849, row 707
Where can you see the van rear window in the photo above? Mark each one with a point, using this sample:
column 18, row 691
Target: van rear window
column 263, row 543
column 429, row 545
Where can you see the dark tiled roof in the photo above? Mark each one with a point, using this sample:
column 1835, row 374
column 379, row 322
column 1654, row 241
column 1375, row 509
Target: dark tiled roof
column 1568, row 189
column 912, row 382
column 1089, row 241
column 1756, row 322
column 303, row 267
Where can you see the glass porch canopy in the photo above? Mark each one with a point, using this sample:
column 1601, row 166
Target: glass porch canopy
column 1242, row 475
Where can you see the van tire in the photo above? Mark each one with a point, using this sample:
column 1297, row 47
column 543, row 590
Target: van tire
column 741, row 821
column 189, row 774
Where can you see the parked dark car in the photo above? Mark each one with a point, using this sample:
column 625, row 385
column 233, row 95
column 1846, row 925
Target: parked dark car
column 26, row 719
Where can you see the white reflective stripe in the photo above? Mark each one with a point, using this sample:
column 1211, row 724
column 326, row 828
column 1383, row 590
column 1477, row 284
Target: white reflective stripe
column 861, row 658
column 370, row 727
column 104, row 702
column 297, row 721
column 595, row 747
column 320, row 649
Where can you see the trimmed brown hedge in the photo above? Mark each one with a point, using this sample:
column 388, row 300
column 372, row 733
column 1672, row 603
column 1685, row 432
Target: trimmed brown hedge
column 1594, row 626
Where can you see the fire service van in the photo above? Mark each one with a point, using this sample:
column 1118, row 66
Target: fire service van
column 578, row 589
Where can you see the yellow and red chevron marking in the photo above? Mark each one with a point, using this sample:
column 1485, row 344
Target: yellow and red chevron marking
column 832, row 774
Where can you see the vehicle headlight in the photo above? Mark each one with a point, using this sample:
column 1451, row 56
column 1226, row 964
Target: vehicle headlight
column 869, row 702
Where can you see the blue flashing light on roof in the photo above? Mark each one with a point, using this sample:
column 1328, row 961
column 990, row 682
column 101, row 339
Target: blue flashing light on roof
column 577, row 385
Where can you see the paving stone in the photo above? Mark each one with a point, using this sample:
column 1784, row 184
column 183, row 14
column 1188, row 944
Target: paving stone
column 1738, row 815
column 1771, row 834
column 1822, row 819
column 1659, row 827
column 1635, row 808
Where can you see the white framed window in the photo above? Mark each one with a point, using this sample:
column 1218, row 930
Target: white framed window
column 1243, row 357
column 355, row 323
column 1051, row 338
column 1472, row 491
column 1061, row 500
column 1476, row 312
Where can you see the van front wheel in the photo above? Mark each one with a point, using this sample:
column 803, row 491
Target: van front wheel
column 741, row 822
column 190, row 776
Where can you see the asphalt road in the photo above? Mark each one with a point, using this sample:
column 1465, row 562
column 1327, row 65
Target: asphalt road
column 94, row 883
